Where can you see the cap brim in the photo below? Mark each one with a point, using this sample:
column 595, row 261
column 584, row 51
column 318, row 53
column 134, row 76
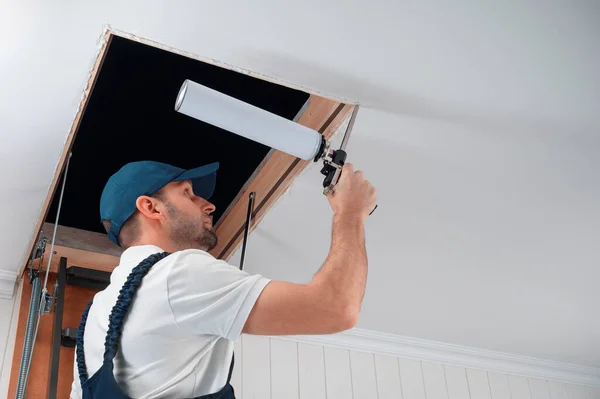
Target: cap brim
column 203, row 179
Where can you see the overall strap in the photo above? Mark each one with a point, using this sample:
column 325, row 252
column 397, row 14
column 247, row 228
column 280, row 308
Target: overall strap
column 117, row 315
column 119, row 311
column 83, row 375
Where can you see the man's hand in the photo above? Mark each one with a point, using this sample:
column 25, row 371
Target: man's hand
column 353, row 195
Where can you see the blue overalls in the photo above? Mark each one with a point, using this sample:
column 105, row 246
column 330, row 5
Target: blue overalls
column 102, row 385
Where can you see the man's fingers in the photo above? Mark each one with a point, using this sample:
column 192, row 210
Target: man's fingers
column 345, row 174
column 347, row 171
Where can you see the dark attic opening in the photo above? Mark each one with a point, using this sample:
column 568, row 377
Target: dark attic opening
column 130, row 116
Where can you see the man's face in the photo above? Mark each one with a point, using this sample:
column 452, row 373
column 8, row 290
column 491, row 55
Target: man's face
column 190, row 222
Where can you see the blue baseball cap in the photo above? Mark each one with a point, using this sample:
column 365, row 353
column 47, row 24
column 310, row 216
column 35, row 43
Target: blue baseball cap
column 135, row 179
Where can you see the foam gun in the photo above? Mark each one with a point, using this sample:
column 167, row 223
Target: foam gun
column 246, row 120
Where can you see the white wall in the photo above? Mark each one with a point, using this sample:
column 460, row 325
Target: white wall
column 275, row 368
column 9, row 312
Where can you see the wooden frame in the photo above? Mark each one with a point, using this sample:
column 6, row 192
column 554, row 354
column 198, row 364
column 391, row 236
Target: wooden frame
column 269, row 181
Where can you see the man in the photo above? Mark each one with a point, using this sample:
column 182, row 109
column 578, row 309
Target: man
column 172, row 335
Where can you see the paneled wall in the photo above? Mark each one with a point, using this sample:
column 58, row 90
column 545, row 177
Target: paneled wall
column 269, row 368
column 275, row 368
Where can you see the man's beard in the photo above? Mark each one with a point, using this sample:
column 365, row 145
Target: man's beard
column 189, row 233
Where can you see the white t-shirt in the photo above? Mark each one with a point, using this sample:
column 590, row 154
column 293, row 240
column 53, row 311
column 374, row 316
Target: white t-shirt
column 178, row 336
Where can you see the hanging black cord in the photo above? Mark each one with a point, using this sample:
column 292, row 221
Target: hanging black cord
column 247, row 227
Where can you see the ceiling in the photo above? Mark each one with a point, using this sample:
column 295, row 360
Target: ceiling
column 479, row 126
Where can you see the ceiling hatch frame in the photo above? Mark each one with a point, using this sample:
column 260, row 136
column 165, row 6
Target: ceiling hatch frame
column 270, row 180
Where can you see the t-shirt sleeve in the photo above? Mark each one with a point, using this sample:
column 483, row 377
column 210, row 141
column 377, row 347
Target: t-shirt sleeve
column 209, row 296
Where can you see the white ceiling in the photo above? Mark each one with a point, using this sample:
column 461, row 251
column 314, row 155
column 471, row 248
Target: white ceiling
column 479, row 127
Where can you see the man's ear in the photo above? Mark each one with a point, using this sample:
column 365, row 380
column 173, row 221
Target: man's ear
column 149, row 207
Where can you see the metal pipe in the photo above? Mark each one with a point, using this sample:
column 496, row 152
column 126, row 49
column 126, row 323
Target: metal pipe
column 28, row 344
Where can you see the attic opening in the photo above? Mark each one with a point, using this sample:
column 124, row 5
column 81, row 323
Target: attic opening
column 128, row 115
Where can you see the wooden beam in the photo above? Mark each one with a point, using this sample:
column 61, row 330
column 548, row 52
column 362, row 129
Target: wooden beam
column 275, row 176
column 90, row 241
column 79, row 257
column 67, row 150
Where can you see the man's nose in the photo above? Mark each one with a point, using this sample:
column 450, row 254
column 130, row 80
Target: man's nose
column 208, row 208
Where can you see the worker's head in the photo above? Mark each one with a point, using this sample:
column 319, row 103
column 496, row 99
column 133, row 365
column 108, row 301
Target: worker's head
column 154, row 203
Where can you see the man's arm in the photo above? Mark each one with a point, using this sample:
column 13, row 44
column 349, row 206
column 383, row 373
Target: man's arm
column 331, row 301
